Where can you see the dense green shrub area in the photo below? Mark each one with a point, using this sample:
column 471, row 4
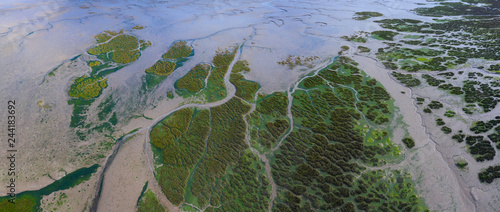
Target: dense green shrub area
column 178, row 50
column 162, row 68
column 318, row 165
column 366, row 15
column 194, row 80
column 406, row 79
column 482, row 127
column 112, row 48
column 205, row 161
column 482, row 94
column 246, row 188
column 174, row 58
column 384, row 34
column 480, row 148
column 216, row 89
column 490, row 174
column 150, row 203
column 409, row 142
column 245, row 89
column 275, row 104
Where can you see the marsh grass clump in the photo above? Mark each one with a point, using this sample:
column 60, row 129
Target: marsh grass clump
column 459, row 137
column 245, row 89
column 161, row 68
column 94, row 63
column 359, row 37
column 494, row 68
column 138, row 27
column 480, row 148
column 489, row 174
column 194, row 80
column 292, row 61
column 440, row 122
column 406, row 79
column 384, row 35
column 446, row 130
column 124, row 49
column 206, row 158
column 461, row 164
column 480, row 93
column 449, row 113
column 318, row 166
column 178, row 50
column 432, row 81
column 366, row 15
column 149, row 203
column 87, row 87
column 362, row 49
column 409, row 142
column 174, row 58
column 435, row 105
column 482, row 127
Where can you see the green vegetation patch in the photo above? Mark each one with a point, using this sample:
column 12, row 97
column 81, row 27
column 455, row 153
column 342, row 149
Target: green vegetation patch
column 409, row 142
column 406, row 79
column 292, row 61
column 245, row 89
column 178, row 50
column 494, row 68
column 362, row 49
column 366, row 15
column 244, row 188
column 435, row 105
column 87, row 87
column 461, row 164
column 359, row 38
column 490, row 174
column 94, row 63
column 150, row 203
column 480, row 93
column 174, row 58
column 275, row 104
column 194, row 80
column 30, row 200
column 480, row 148
column 482, row 127
column 449, row 113
column 124, row 49
column 384, row 35
column 459, row 8
column 161, row 68
column 216, row 89
column 113, row 47
column 317, row 167
column 205, row 161
column 269, row 122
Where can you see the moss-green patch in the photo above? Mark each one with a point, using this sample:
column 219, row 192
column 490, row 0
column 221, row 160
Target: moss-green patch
column 179, row 49
column 30, row 200
column 366, row 15
column 318, row 166
column 194, row 80
column 384, row 35
column 87, row 87
column 245, row 89
column 149, row 203
column 409, row 142
column 161, row 68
